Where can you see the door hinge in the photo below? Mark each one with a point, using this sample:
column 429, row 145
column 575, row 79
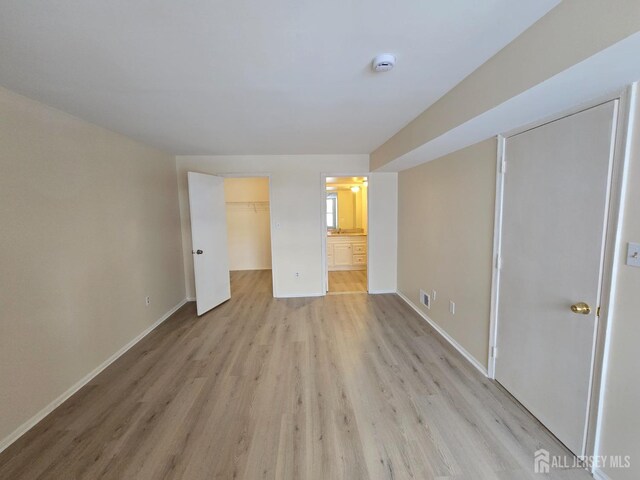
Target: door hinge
column 494, row 352
column 503, row 166
column 498, row 262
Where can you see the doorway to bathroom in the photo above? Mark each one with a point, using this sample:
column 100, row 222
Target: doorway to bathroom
column 345, row 204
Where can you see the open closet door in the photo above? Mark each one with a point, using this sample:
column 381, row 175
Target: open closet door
column 209, row 240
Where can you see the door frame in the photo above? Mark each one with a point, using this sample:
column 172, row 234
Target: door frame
column 271, row 223
column 609, row 258
column 323, row 223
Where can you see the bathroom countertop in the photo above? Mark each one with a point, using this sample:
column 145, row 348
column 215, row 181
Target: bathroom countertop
column 346, row 234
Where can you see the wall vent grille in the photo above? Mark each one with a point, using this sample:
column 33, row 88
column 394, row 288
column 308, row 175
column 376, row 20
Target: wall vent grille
column 425, row 299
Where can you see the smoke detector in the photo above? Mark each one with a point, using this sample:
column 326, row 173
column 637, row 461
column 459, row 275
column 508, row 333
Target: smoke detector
column 383, row 62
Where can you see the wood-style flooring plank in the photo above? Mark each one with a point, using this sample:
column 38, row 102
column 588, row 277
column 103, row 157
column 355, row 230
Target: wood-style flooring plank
column 347, row 281
column 345, row 386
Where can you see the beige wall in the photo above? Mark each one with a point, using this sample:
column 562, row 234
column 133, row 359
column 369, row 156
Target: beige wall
column 248, row 223
column 568, row 34
column 445, row 241
column 90, row 226
column 620, row 431
column 296, row 200
column 246, row 189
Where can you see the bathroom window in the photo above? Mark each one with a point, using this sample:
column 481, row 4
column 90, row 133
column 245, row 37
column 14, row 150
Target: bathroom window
column 332, row 211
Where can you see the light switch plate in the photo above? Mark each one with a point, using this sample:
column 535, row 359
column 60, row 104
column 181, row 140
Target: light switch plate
column 633, row 254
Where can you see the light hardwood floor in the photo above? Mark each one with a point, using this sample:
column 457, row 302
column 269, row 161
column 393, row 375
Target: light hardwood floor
column 348, row 281
column 339, row 387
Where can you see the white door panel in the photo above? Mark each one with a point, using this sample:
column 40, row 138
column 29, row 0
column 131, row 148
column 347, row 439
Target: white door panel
column 556, row 188
column 209, row 240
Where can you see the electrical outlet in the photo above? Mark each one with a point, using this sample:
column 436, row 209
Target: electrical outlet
column 297, row 274
column 452, row 307
column 425, row 299
column 147, row 301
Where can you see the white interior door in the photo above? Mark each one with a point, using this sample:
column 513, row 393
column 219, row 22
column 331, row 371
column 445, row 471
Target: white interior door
column 556, row 185
column 209, row 240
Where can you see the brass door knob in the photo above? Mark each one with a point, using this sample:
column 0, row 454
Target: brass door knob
column 581, row 307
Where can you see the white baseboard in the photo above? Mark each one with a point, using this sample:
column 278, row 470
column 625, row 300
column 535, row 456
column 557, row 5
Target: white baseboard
column 346, row 293
column 446, row 336
column 600, row 475
column 301, row 295
column 381, row 292
column 33, row 421
column 294, row 295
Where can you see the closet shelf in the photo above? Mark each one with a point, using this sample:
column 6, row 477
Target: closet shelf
column 250, row 206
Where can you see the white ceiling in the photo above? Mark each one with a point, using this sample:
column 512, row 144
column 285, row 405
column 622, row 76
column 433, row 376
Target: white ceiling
column 249, row 76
